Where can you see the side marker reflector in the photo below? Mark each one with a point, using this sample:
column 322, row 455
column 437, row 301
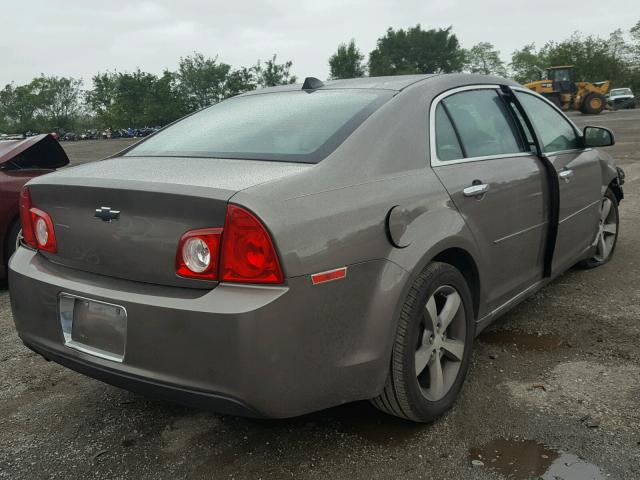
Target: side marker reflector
column 329, row 275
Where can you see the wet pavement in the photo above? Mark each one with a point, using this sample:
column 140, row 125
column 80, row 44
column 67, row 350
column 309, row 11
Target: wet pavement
column 553, row 393
column 526, row 459
column 522, row 341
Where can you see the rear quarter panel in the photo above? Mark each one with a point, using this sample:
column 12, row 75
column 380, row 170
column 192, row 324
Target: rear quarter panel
column 347, row 227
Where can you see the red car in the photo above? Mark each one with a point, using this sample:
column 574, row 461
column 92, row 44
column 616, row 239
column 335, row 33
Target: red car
column 20, row 161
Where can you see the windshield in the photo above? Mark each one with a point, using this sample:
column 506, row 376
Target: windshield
column 620, row 91
column 559, row 75
column 298, row 126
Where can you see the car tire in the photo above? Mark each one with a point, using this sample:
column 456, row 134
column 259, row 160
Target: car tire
column 430, row 356
column 608, row 229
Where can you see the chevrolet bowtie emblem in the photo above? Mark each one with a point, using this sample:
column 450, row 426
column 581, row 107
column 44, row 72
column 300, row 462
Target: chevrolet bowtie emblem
column 106, row 214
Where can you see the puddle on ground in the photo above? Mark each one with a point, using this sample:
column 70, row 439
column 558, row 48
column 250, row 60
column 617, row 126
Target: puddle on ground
column 525, row 459
column 522, row 341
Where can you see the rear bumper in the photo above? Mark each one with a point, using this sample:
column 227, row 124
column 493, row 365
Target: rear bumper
column 193, row 398
column 257, row 351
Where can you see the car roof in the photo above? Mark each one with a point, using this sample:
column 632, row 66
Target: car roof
column 396, row 83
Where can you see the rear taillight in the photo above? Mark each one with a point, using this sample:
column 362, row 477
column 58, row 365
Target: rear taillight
column 248, row 255
column 25, row 218
column 37, row 226
column 242, row 252
column 198, row 253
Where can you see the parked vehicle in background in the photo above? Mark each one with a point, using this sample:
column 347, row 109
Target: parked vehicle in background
column 89, row 135
column 20, row 161
column 108, row 133
column 70, row 137
column 146, row 131
column 621, row 98
column 299, row 247
column 11, row 136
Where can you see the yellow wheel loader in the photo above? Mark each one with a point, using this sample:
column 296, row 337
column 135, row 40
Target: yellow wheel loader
column 559, row 88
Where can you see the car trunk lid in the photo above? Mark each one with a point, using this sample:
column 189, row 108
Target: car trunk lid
column 158, row 200
column 37, row 152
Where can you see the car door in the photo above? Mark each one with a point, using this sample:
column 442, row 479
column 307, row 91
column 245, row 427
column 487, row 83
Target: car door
column 496, row 183
column 579, row 177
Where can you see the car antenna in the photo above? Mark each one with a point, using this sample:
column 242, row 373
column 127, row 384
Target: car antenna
column 311, row 83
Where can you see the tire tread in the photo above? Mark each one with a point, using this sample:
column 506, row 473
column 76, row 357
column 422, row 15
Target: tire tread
column 394, row 387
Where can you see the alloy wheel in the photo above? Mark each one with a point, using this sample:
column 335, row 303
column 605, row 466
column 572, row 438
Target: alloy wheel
column 441, row 343
column 607, row 230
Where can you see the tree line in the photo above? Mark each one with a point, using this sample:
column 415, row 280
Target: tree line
column 131, row 99
column 138, row 98
column 416, row 50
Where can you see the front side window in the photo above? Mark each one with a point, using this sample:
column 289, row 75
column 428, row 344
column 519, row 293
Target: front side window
column 483, row 124
column 554, row 131
column 296, row 126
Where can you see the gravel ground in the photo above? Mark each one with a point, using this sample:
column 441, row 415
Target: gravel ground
column 552, row 393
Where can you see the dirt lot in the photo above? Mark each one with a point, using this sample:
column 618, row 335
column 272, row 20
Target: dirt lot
column 553, row 393
column 88, row 150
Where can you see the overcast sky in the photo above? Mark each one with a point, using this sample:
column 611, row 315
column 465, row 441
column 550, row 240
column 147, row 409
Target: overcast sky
column 80, row 38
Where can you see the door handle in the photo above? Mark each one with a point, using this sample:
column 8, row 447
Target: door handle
column 476, row 190
column 566, row 175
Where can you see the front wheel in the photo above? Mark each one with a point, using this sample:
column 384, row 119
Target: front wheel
column 607, row 235
column 432, row 347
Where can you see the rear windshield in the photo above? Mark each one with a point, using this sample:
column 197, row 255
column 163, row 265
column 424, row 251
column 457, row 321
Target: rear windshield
column 293, row 126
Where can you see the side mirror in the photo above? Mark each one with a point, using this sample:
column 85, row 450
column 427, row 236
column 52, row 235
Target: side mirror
column 598, row 137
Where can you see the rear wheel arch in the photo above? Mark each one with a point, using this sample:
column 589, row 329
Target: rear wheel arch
column 464, row 262
column 460, row 253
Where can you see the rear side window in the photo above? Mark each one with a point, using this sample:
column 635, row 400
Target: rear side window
column 555, row 132
column 296, row 126
column 447, row 144
column 483, row 123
